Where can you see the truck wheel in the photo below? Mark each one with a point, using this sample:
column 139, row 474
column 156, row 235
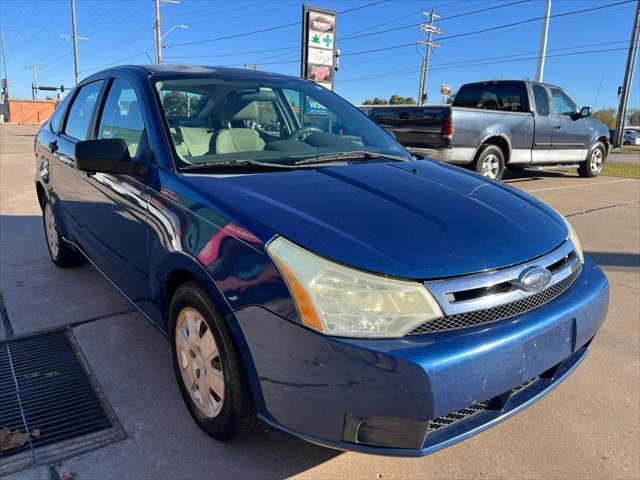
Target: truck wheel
column 61, row 254
column 593, row 165
column 208, row 366
column 490, row 163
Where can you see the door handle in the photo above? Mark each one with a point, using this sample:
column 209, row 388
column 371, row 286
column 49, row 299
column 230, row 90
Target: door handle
column 556, row 126
column 53, row 146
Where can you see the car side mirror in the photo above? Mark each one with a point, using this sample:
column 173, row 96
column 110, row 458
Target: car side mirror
column 107, row 155
column 585, row 112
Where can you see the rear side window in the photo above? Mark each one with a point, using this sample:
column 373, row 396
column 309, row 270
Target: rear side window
column 81, row 110
column 503, row 96
column 562, row 103
column 122, row 117
column 542, row 100
column 58, row 116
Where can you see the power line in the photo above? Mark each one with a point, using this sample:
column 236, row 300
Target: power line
column 269, row 29
column 350, row 37
column 478, row 62
column 497, row 27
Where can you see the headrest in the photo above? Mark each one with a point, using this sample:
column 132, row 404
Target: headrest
column 249, row 112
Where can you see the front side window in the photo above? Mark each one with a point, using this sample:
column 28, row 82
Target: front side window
column 541, row 99
column 267, row 120
column 503, row 96
column 81, row 110
column 122, row 117
column 562, row 103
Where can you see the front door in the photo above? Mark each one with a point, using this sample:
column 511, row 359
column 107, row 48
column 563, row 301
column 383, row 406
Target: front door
column 570, row 133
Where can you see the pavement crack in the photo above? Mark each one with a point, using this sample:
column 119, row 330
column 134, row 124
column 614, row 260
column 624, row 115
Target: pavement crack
column 101, row 317
column 602, row 208
column 622, row 284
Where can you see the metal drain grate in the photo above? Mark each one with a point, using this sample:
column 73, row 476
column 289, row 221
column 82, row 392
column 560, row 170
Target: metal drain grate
column 44, row 385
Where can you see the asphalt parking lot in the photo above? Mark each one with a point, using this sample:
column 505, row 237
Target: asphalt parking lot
column 589, row 427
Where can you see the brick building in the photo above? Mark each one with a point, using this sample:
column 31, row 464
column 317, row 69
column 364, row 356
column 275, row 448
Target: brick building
column 30, row 111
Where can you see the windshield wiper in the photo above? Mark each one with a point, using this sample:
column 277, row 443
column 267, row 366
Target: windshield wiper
column 352, row 155
column 237, row 163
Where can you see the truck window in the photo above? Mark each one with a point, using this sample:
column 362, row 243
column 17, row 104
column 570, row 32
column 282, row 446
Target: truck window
column 562, row 104
column 541, row 99
column 503, row 96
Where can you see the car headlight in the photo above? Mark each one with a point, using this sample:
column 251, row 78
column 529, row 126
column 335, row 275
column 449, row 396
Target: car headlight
column 337, row 300
column 573, row 236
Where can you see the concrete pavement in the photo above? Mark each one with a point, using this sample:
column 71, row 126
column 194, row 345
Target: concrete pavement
column 588, row 427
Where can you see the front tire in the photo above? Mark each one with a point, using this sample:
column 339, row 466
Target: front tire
column 208, row 367
column 593, row 165
column 490, row 163
column 61, row 254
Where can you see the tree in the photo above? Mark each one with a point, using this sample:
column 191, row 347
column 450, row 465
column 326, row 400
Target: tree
column 375, row 101
column 606, row 116
column 633, row 117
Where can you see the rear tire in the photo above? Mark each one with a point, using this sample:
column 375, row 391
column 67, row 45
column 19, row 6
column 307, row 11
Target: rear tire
column 214, row 386
column 593, row 165
column 61, row 253
column 490, row 163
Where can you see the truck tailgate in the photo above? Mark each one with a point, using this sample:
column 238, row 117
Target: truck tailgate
column 418, row 127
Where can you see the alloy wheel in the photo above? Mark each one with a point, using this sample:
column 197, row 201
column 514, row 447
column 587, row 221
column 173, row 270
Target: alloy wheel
column 596, row 162
column 50, row 230
column 200, row 362
column 490, row 166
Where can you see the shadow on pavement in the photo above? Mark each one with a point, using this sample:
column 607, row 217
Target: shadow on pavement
column 614, row 259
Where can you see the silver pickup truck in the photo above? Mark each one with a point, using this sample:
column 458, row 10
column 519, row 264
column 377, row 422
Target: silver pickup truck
column 506, row 123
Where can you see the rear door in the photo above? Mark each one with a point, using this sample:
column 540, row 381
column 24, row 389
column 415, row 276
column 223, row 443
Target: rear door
column 570, row 134
column 543, row 125
column 116, row 205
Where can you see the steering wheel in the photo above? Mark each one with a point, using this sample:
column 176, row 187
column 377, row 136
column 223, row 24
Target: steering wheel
column 304, row 132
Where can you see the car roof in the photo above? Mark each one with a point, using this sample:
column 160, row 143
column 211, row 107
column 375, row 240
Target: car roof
column 185, row 69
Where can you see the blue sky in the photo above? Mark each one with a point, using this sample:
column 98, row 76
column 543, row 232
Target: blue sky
column 120, row 31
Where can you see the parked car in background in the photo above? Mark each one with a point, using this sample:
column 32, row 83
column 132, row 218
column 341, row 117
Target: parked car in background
column 497, row 124
column 631, row 137
column 313, row 277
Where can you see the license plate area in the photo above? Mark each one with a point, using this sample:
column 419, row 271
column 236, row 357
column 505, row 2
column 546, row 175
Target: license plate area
column 548, row 349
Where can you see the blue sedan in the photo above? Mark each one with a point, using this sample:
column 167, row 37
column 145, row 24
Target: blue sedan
column 312, row 276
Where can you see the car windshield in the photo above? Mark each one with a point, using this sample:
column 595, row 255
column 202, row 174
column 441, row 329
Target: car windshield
column 250, row 121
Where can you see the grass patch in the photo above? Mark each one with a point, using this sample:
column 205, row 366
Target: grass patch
column 630, row 148
column 624, row 170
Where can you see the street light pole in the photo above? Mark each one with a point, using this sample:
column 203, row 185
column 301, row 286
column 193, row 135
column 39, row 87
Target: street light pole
column 6, row 71
column 543, row 43
column 628, row 75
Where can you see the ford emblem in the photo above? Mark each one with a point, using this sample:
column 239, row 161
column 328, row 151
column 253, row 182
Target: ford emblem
column 534, row 279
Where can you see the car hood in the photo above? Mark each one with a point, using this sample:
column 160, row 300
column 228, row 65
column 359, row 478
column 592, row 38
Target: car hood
column 418, row 219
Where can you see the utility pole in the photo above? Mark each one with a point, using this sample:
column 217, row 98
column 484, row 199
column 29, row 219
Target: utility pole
column 156, row 28
column 543, row 43
column 74, row 34
column 74, row 37
column 157, row 32
column 628, row 77
column 430, row 29
column 34, row 85
column 6, row 70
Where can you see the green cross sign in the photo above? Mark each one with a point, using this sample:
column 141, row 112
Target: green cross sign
column 327, row 40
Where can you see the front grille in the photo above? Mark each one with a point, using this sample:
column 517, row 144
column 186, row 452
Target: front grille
column 488, row 315
column 454, row 417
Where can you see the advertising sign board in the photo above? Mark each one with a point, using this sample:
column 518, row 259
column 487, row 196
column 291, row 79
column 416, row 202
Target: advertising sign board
column 318, row 45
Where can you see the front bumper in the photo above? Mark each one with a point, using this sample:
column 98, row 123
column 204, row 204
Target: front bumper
column 379, row 396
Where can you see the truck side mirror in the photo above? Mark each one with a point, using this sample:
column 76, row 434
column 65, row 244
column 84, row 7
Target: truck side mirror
column 585, row 112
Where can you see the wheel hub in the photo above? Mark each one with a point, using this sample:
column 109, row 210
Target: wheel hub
column 490, row 166
column 51, row 230
column 199, row 361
